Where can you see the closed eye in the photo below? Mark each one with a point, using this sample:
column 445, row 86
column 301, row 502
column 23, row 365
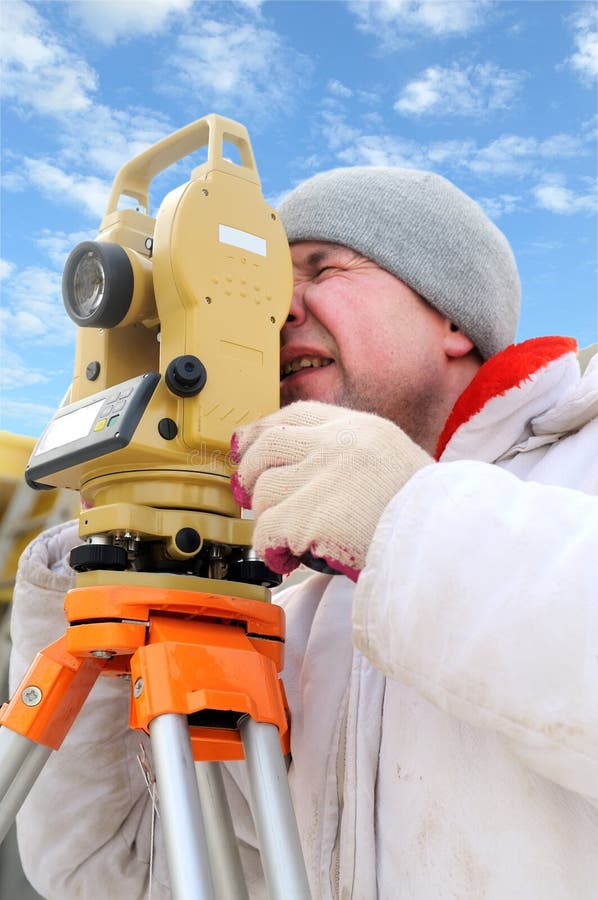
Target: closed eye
column 323, row 271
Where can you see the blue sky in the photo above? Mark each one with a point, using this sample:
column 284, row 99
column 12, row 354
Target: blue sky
column 500, row 97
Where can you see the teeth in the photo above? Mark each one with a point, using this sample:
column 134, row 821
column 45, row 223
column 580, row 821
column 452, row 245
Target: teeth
column 304, row 362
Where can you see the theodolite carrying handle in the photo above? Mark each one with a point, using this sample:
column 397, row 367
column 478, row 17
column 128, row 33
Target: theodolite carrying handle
column 134, row 178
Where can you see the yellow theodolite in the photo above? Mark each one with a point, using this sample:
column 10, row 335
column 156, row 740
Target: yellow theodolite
column 178, row 344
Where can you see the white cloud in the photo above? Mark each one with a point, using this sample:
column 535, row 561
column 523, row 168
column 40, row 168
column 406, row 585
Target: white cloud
column 26, row 324
column 40, row 75
column 555, row 197
column 383, row 150
column 589, row 129
column 585, row 37
column 32, row 311
column 38, row 72
column 107, row 138
column 565, row 146
column 274, row 200
column 6, row 268
column 543, row 246
column 58, row 244
column 502, row 204
column 100, row 140
column 13, row 181
column 389, row 150
column 85, row 191
column 453, row 154
column 243, row 65
column 338, row 89
column 36, row 415
column 16, row 373
column 240, row 65
column 519, row 156
column 391, row 21
column 455, row 91
column 336, row 131
column 510, row 155
column 111, row 20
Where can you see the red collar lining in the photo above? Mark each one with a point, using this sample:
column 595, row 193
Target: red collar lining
column 500, row 374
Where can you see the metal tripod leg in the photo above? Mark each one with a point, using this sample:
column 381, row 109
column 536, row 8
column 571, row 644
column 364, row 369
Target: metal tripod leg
column 22, row 761
column 281, row 854
column 227, row 873
column 180, row 810
column 190, row 852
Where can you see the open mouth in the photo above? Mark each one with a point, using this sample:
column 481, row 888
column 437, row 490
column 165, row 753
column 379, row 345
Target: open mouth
column 303, row 362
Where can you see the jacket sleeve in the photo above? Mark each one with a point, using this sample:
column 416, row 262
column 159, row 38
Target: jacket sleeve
column 480, row 591
column 85, row 829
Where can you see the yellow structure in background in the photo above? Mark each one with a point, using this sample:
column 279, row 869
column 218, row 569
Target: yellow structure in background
column 23, row 514
column 23, row 511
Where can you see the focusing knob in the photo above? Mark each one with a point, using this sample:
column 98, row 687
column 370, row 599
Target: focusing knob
column 186, row 376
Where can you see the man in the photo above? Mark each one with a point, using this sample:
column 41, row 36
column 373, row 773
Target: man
column 443, row 694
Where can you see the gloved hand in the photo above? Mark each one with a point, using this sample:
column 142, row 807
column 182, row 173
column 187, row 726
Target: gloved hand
column 318, row 478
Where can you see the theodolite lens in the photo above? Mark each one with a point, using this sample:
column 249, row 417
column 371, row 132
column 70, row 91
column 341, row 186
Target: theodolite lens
column 89, row 283
column 97, row 284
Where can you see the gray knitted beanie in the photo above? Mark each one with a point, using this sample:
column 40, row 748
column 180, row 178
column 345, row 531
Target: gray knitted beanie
column 424, row 230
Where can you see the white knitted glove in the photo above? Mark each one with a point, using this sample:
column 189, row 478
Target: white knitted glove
column 317, row 478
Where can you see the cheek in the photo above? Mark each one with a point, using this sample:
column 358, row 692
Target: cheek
column 353, row 327
column 371, row 343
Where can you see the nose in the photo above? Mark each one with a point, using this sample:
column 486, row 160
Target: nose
column 297, row 312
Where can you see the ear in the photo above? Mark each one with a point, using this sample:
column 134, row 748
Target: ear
column 456, row 343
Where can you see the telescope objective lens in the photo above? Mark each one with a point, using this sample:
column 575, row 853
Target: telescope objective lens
column 97, row 284
column 89, row 283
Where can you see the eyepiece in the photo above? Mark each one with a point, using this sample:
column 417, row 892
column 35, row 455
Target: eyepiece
column 97, row 284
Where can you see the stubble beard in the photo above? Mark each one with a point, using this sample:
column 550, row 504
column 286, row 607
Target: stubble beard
column 415, row 408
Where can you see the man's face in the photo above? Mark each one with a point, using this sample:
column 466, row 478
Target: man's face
column 358, row 337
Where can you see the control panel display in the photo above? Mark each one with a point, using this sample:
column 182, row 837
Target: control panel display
column 69, row 427
column 92, row 427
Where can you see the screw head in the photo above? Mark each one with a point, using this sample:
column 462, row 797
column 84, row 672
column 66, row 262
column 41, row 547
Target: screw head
column 31, row 695
column 138, row 688
column 102, row 654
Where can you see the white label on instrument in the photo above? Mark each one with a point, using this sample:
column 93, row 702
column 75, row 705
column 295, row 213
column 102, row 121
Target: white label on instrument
column 242, row 239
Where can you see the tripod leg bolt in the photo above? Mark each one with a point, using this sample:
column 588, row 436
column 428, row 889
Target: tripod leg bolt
column 31, row 696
